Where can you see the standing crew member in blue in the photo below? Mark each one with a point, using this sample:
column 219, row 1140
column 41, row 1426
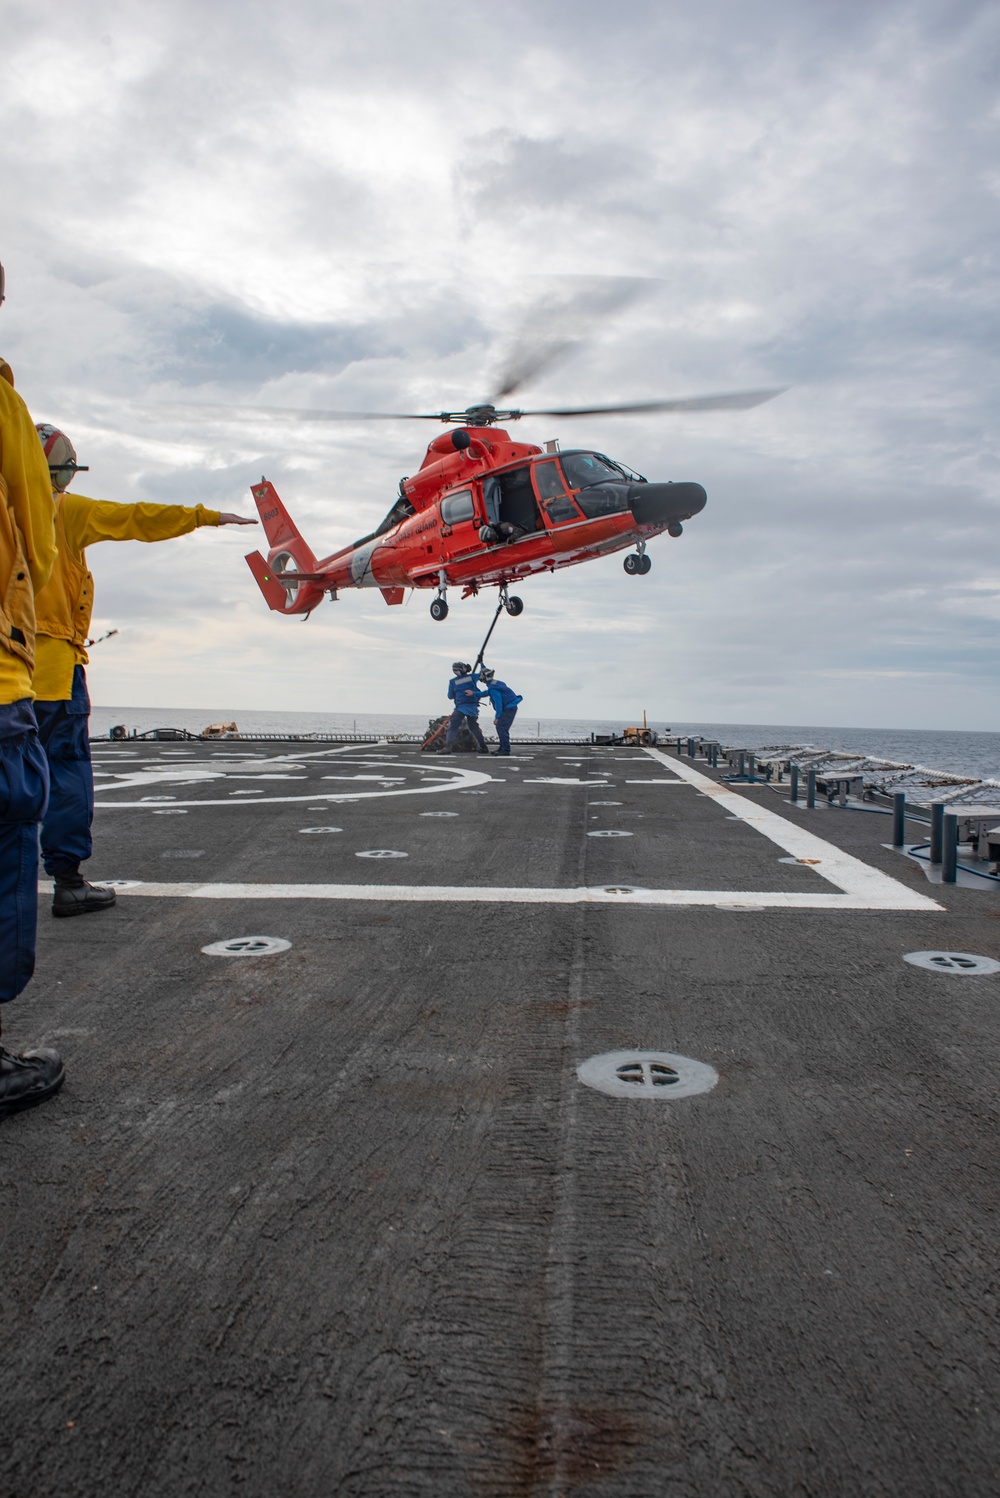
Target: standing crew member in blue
column 27, row 554
column 64, row 608
column 505, row 704
column 466, row 696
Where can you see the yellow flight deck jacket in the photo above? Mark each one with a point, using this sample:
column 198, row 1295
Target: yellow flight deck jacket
column 65, row 605
column 27, row 539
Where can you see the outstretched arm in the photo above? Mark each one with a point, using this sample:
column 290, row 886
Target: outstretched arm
column 89, row 520
column 226, row 519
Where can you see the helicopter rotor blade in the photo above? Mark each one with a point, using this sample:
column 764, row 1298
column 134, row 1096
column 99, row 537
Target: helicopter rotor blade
column 738, row 400
column 564, row 316
column 299, row 413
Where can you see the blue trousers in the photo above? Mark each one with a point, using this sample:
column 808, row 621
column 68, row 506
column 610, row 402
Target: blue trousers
column 455, row 723
column 504, row 722
column 63, row 729
column 24, row 789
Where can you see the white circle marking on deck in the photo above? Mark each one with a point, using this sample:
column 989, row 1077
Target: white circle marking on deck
column 247, row 946
column 382, row 853
column 605, row 803
column 609, row 833
column 659, row 1075
column 321, row 829
column 439, row 813
column 963, row 964
column 168, row 811
column 448, row 778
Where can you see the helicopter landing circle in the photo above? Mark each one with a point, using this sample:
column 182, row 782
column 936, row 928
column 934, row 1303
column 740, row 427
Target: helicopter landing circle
column 330, row 776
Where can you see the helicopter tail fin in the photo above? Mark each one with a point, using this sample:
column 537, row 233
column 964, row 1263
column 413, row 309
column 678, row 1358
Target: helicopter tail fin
column 280, row 529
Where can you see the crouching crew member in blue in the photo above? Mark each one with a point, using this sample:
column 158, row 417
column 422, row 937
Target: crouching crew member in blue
column 462, row 690
column 27, row 555
column 505, row 704
column 62, row 704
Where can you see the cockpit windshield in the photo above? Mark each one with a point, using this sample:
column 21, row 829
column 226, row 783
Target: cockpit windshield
column 584, row 469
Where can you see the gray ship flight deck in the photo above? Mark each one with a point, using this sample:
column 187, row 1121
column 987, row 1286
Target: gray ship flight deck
column 343, row 1217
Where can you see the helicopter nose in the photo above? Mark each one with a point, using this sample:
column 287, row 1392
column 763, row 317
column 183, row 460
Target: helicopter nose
column 663, row 504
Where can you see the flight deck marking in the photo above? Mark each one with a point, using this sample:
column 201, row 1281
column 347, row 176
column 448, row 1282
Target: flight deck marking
column 856, row 885
column 454, row 777
column 869, row 888
column 892, row 898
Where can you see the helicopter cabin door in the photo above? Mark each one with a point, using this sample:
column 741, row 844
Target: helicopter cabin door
column 458, row 518
column 518, row 509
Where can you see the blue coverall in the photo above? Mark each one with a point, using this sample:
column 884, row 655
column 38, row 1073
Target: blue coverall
column 505, row 703
column 462, row 690
column 65, row 734
column 24, row 793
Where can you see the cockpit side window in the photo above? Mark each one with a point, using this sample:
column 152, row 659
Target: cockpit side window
column 552, row 492
column 457, row 507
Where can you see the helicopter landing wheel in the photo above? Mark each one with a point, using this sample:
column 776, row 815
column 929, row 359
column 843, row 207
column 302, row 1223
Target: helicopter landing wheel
column 633, row 564
column 675, row 529
column 439, row 609
column 645, row 563
column 514, row 606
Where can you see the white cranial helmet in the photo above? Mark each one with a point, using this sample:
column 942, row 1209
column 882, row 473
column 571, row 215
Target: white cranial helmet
column 60, row 455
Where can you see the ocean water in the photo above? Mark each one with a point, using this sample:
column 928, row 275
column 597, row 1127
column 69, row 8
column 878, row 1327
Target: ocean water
column 976, row 754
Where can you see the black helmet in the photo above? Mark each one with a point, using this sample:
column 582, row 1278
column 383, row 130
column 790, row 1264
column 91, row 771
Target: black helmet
column 461, row 668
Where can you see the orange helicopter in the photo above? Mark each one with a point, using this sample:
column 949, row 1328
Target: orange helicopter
column 486, row 511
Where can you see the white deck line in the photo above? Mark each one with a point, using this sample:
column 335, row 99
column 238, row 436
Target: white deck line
column 897, row 897
column 868, row 888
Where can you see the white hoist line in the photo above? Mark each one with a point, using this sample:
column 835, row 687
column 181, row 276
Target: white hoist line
column 868, row 888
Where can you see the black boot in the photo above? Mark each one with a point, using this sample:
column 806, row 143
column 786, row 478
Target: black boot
column 74, row 896
column 28, row 1079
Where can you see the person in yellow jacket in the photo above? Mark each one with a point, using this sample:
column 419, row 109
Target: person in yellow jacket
column 27, row 554
column 64, row 607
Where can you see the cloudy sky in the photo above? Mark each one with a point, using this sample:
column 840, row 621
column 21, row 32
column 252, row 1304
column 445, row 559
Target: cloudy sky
column 351, row 204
